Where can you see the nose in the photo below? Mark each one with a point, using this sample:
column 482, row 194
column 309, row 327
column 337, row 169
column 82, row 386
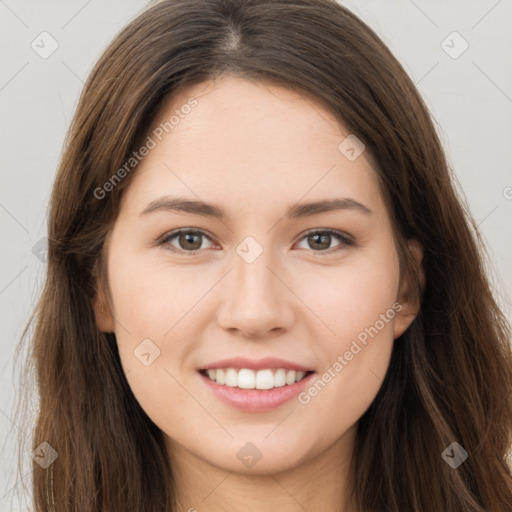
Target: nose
column 255, row 299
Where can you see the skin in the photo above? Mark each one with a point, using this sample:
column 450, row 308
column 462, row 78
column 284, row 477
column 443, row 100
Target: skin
column 254, row 149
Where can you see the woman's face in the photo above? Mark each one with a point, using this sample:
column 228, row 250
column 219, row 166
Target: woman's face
column 256, row 277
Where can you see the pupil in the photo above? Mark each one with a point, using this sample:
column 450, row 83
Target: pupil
column 187, row 237
column 322, row 236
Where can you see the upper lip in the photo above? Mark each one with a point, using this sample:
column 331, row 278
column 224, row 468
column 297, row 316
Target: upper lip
column 260, row 364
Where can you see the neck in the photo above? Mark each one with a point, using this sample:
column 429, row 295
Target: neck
column 320, row 482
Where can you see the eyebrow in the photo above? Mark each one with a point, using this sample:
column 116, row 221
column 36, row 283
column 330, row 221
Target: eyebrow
column 179, row 204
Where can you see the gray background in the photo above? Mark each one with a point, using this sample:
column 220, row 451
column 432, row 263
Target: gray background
column 470, row 96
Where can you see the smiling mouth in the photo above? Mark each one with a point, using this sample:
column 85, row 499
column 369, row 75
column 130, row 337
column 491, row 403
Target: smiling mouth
column 245, row 378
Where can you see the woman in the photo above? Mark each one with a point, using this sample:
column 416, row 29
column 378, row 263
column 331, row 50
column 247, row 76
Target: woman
column 328, row 341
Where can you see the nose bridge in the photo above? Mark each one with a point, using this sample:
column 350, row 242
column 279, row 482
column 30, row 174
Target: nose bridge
column 255, row 299
column 253, row 278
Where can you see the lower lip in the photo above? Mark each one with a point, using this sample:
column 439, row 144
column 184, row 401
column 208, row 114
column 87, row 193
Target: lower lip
column 256, row 400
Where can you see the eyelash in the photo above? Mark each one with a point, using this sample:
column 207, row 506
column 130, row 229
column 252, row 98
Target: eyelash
column 344, row 239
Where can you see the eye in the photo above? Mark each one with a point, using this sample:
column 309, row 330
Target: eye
column 191, row 241
column 320, row 240
column 188, row 240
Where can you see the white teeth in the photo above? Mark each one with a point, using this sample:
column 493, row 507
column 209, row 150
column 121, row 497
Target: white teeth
column 246, row 379
column 280, row 378
column 300, row 376
column 249, row 379
column 231, row 378
column 220, row 376
column 264, row 379
column 290, row 377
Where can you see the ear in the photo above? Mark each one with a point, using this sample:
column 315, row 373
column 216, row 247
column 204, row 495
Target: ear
column 102, row 311
column 407, row 297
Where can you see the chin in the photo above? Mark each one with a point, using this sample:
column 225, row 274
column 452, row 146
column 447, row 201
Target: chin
column 250, row 455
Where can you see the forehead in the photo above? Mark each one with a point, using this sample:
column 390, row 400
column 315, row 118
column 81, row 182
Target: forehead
column 248, row 144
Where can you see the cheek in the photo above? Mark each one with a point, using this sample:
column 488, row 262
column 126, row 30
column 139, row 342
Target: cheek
column 154, row 333
column 152, row 299
column 360, row 308
column 355, row 362
column 353, row 297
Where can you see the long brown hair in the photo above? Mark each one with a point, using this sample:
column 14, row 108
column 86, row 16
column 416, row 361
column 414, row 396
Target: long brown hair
column 450, row 375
